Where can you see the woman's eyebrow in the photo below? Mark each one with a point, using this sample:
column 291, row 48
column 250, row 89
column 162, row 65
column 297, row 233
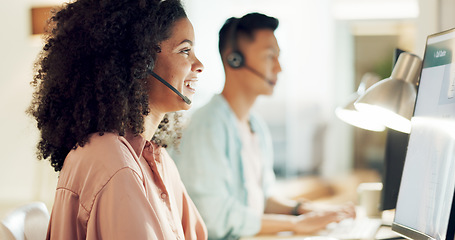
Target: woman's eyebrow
column 186, row 41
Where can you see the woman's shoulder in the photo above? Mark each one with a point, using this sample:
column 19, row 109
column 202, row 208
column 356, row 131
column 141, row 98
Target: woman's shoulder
column 109, row 151
column 95, row 163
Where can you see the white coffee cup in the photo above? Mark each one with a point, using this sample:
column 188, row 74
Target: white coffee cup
column 370, row 198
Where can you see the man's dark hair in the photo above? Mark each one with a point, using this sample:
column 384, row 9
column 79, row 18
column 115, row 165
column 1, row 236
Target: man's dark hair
column 92, row 71
column 245, row 26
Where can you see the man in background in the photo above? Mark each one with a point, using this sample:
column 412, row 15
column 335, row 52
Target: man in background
column 225, row 158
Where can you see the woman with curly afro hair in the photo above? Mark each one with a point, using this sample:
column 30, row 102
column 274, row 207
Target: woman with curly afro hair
column 97, row 105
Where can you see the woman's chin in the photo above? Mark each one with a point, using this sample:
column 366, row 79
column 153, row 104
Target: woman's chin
column 185, row 106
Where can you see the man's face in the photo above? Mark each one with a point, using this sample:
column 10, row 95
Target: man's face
column 261, row 54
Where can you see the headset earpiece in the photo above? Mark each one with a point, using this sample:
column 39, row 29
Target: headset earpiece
column 235, row 59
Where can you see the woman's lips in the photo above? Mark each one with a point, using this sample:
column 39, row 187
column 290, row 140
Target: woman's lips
column 191, row 85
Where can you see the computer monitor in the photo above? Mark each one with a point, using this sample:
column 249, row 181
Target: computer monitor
column 425, row 206
column 394, row 156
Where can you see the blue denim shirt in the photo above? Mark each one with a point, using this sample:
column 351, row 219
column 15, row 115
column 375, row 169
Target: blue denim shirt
column 209, row 160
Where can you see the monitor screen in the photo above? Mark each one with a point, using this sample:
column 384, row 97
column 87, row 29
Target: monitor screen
column 425, row 200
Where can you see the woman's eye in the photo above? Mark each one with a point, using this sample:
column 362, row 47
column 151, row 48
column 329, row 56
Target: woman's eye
column 186, row 51
column 270, row 57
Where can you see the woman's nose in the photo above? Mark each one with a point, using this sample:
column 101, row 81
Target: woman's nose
column 198, row 66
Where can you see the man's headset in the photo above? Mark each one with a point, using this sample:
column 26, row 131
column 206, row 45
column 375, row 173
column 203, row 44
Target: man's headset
column 235, row 58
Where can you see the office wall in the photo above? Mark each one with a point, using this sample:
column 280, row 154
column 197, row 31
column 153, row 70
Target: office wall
column 22, row 176
column 300, row 112
column 446, row 12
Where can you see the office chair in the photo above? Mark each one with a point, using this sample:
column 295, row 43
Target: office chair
column 28, row 222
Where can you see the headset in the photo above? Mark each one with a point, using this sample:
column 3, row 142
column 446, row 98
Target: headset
column 184, row 98
column 236, row 59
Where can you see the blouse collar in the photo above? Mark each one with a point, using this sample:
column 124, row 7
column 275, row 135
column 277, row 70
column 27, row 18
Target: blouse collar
column 149, row 150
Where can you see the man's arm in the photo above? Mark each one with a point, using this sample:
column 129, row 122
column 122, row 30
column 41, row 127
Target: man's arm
column 280, row 215
column 304, row 224
column 275, row 205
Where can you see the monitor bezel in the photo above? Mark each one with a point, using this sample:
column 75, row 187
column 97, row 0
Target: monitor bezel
column 451, row 225
column 410, row 233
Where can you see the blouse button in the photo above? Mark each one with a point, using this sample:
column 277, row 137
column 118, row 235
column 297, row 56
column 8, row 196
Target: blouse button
column 163, row 195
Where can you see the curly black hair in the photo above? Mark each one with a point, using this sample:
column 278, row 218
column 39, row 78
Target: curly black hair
column 92, row 71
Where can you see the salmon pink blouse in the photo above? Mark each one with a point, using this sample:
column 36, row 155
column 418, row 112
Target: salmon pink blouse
column 118, row 187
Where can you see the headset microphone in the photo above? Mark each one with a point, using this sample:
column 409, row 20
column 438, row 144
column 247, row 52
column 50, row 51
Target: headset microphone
column 270, row 82
column 186, row 99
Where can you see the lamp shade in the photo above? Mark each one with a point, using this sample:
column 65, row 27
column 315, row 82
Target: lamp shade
column 391, row 100
column 350, row 115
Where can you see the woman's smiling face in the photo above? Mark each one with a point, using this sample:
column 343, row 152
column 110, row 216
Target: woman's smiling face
column 176, row 63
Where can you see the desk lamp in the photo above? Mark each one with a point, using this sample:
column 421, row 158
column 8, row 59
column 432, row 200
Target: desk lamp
column 350, row 115
column 391, row 100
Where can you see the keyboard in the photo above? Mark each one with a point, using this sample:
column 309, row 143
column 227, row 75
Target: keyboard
column 360, row 228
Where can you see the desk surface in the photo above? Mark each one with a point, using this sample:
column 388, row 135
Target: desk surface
column 385, row 232
column 277, row 236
